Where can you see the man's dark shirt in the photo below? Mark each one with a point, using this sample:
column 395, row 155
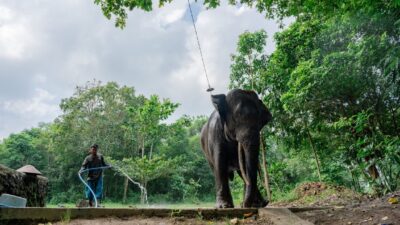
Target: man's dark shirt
column 94, row 162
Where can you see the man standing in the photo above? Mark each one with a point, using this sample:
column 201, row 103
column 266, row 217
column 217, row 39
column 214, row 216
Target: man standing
column 95, row 176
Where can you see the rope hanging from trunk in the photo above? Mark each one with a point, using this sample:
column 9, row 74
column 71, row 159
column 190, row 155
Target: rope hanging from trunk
column 209, row 89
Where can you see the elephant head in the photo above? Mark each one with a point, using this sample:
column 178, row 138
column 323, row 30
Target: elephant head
column 243, row 115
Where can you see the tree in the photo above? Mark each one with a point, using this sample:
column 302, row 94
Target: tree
column 25, row 148
column 148, row 118
column 250, row 61
column 334, row 67
column 272, row 9
column 145, row 169
column 96, row 113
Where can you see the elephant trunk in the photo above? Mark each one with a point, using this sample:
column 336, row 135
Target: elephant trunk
column 241, row 166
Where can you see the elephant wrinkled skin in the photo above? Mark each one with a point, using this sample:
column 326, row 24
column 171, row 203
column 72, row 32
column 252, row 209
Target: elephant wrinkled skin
column 231, row 133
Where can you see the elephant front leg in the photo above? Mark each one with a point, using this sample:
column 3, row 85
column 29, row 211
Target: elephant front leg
column 224, row 197
column 253, row 198
column 259, row 201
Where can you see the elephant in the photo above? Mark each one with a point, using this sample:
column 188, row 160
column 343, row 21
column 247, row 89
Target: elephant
column 230, row 140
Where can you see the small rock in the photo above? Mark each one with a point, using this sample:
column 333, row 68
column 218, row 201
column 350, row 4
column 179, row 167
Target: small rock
column 393, row 200
column 385, row 218
column 234, row 221
column 349, row 223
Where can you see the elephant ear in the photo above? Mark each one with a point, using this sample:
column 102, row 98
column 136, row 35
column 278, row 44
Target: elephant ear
column 266, row 116
column 220, row 104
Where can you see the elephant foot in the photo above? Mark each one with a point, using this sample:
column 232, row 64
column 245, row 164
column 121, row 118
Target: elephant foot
column 258, row 203
column 224, row 204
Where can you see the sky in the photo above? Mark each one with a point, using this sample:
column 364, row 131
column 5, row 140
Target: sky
column 48, row 47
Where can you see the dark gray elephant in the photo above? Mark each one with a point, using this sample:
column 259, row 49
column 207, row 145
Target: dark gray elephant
column 230, row 141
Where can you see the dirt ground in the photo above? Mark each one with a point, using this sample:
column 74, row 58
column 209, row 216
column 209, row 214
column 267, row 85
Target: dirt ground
column 342, row 207
column 367, row 215
column 165, row 221
column 346, row 206
column 349, row 215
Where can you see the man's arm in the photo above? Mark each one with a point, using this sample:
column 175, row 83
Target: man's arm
column 103, row 163
column 84, row 164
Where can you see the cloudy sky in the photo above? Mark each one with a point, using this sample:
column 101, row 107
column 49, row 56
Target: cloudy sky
column 48, row 47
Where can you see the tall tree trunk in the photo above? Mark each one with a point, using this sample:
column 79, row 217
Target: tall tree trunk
column 315, row 154
column 125, row 190
column 143, row 148
column 142, row 197
column 151, row 150
column 265, row 168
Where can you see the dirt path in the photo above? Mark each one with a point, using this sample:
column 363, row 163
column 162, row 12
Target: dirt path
column 164, row 221
column 369, row 215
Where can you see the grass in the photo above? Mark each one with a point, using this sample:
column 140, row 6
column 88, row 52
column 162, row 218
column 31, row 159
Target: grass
column 66, row 217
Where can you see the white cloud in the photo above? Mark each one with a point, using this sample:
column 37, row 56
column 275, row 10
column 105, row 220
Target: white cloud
column 39, row 105
column 16, row 38
column 48, row 47
column 171, row 17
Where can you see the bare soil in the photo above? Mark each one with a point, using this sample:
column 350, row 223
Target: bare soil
column 339, row 206
column 365, row 215
column 165, row 221
column 347, row 208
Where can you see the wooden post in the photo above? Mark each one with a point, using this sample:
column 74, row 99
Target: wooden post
column 265, row 168
column 125, row 190
column 315, row 155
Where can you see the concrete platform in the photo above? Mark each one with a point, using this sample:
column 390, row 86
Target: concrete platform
column 37, row 215
column 282, row 216
column 26, row 215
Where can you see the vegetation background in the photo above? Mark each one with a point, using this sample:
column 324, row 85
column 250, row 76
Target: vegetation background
column 332, row 85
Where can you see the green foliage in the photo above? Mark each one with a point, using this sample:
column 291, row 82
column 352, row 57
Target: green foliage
column 24, row 148
column 146, row 121
column 131, row 133
column 272, row 8
column 145, row 169
column 249, row 62
column 333, row 88
column 332, row 85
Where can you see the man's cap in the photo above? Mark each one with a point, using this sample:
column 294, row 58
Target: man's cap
column 96, row 146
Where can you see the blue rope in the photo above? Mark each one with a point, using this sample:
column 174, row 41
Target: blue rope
column 86, row 184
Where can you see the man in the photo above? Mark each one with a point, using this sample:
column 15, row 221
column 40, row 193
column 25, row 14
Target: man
column 95, row 177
